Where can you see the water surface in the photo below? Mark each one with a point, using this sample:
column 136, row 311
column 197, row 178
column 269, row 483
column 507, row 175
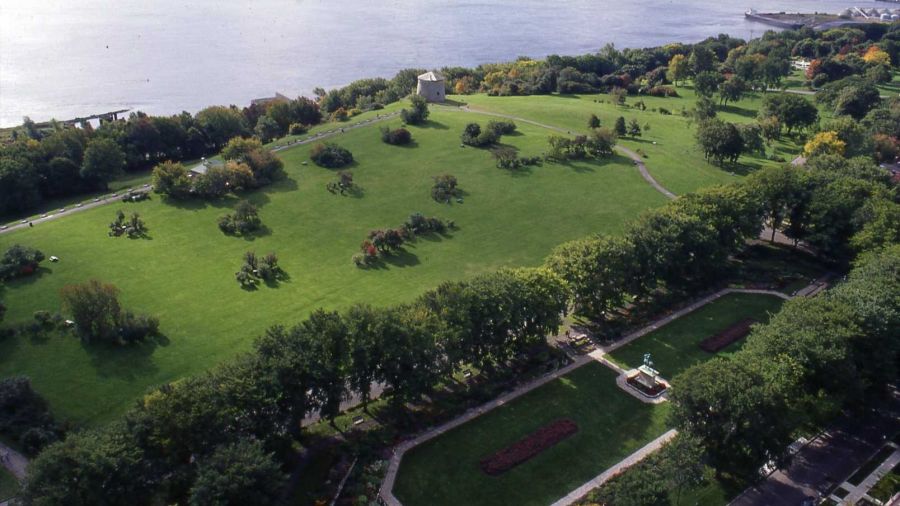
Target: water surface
column 68, row 58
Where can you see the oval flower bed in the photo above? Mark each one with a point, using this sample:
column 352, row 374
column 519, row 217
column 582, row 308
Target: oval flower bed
column 730, row 335
column 528, row 447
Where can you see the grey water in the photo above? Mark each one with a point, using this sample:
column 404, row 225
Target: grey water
column 67, row 58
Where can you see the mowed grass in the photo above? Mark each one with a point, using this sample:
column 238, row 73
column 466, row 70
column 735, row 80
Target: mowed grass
column 184, row 272
column 612, row 425
column 674, row 160
column 675, row 346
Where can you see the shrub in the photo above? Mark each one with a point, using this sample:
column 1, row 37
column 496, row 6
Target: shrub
column 662, row 91
column 297, row 129
column 397, row 136
column 135, row 328
column 418, row 113
column 445, row 188
column 244, row 220
column 664, row 111
column 501, row 127
column 473, row 135
column 133, row 227
column 330, row 155
column 19, row 261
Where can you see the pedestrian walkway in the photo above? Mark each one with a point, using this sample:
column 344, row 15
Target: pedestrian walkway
column 859, row 492
column 116, row 197
column 13, row 461
column 573, row 496
column 387, row 485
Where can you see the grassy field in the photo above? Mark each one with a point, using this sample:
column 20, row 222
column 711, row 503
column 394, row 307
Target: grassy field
column 674, row 347
column 184, row 271
column 9, row 487
column 612, row 424
column 672, row 154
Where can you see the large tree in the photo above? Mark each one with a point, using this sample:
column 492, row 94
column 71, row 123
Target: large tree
column 237, row 474
column 103, row 161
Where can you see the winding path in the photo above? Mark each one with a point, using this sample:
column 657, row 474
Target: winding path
column 638, row 161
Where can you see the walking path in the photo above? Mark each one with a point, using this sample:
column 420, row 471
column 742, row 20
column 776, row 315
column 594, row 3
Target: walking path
column 13, row 461
column 116, row 197
column 858, row 492
column 387, row 485
column 638, row 161
column 573, row 496
column 828, row 459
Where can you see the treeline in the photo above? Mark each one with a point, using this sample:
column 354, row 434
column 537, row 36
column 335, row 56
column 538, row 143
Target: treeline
column 45, row 163
column 40, row 164
column 162, row 449
column 815, row 357
column 164, row 445
column 758, row 63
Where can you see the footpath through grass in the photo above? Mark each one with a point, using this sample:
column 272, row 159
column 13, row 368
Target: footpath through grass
column 612, row 425
column 675, row 346
column 184, row 272
column 673, row 157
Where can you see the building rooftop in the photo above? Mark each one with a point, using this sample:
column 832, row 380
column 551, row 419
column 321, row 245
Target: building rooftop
column 205, row 165
column 431, row 76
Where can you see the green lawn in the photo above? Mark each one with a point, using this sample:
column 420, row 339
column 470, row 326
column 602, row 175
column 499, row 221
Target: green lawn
column 612, row 425
column 184, row 272
column 9, row 487
column 674, row 160
column 674, row 347
column 887, row 486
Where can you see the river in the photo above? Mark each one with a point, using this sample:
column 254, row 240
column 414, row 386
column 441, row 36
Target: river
column 67, row 58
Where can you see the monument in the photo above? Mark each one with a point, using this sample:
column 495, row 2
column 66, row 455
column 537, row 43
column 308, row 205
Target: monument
column 646, row 379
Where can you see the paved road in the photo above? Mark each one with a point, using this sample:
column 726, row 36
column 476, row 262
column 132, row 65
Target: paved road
column 829, row 459
column 116, row 197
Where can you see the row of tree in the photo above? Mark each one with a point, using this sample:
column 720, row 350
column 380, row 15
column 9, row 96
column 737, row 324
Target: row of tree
column 165, row 446
column 815, row 357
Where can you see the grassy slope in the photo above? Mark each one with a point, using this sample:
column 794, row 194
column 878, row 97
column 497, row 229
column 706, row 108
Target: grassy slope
column 611, row 423
column 184, row 273
column 674, row 161
column 674, row 347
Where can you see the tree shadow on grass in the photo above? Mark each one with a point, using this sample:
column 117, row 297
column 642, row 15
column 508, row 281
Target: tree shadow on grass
column 197, row 203
column 127, row 361
column 34, row 277
column 431, row 124
column 281, row 277
column 262, row 231
column 739, row 111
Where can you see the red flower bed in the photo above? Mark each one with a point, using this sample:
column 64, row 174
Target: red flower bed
column 528, row 447
column 733, row 333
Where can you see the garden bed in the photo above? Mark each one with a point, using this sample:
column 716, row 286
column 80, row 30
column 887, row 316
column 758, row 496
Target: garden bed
column 730, row 335
column 528, row 447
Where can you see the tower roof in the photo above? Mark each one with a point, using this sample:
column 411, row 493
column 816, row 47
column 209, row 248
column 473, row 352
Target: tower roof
column 431, row 76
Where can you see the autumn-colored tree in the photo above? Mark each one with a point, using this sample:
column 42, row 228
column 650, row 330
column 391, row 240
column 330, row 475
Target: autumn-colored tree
column 814, row 68
column 825, row 143
column 876, row 55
